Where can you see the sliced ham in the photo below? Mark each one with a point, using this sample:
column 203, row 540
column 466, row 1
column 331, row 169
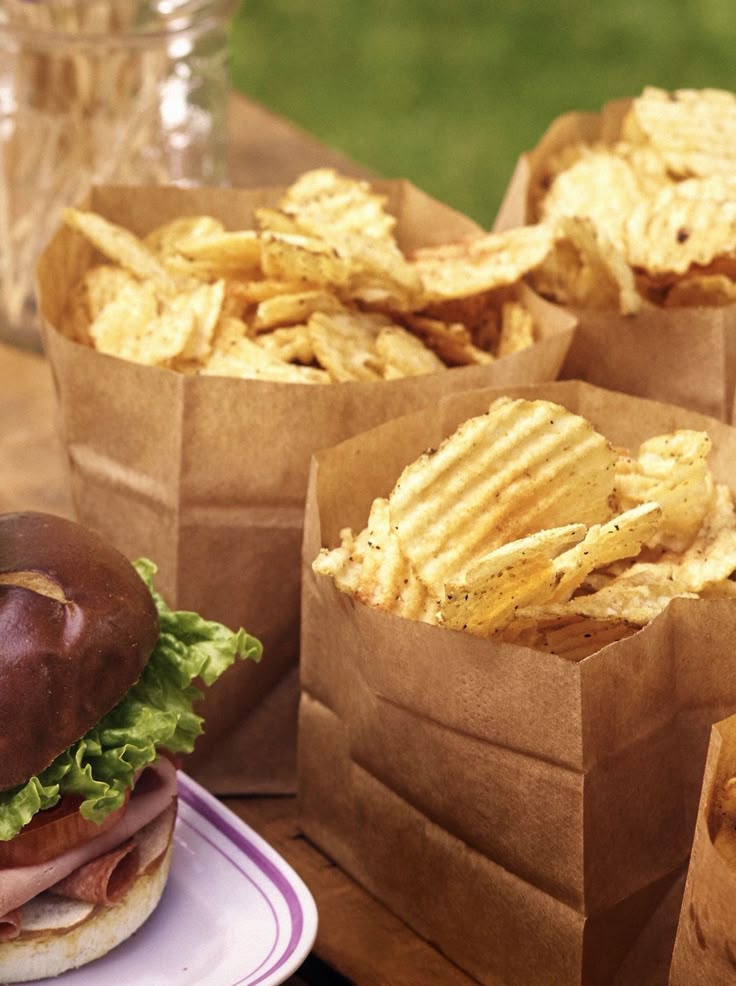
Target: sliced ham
column 103, row 880
column 106, row 879
column 153, row 793
column 10, row 925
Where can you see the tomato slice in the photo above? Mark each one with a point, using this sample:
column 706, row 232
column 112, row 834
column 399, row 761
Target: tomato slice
column 54, row 830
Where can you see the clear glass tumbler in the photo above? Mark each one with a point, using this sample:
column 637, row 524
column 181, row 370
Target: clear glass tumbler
column 100, row 91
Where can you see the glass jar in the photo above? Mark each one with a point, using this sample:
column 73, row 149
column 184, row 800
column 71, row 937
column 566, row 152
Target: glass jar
column 103, row 92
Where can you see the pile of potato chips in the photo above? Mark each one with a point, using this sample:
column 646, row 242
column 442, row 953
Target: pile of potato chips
column 526, row 525
column 657, row 207
column 318, row 292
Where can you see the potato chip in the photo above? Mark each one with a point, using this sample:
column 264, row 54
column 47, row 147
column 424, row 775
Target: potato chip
column 97, row 287
column 345, row 344
column 205, row 304
column 676, row 230
column 708, row 562
column 292, row 344
column 345, row 562
column 693, row 130
column 701, row 290
column 517, row 574
column 586, row 269
column 122, row 246
column 380, row 276
column 648, row 166
column 322, row 202
column 404, row 355
column 571, row 636
column 621, row 537
column 451, row 341
column 274, row 220
column 245, row 358
column 600, row 186
column 165, row 240
column 292, row 308
column 102, row 284
column 522, row 466
column 219, row 254
column 517, row 329
column 635, row 604
column 711, row 558
column 473, row 312
column 302, row 260
column 229, row 331
column 240, row 294
column 119, row 327
column 672, row 470
column 386, row 578
column 132, row 327
column 481, row 263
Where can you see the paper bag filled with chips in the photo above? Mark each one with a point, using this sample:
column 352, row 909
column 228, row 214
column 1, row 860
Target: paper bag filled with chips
column 705, row 947
column 641, row 198
column 203, row 342
column 519, row 624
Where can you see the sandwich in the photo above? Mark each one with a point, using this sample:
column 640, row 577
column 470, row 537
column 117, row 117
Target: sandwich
column 98, row 685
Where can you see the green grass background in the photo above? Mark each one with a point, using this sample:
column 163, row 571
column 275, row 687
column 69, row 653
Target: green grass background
column 448, row 93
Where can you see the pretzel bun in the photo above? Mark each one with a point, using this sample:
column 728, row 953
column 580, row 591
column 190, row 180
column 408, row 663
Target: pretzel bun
column 77, row 626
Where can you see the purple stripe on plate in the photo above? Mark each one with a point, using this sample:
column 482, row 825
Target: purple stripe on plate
column 217, row 815
column 257, row 887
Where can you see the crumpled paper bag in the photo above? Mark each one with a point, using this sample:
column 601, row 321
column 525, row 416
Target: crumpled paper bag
column 705, row 947
column 531, row 816
column 207, row 475
column 684, row 356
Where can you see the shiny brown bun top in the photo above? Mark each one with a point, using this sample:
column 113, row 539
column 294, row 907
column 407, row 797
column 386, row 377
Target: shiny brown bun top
column 77, row 626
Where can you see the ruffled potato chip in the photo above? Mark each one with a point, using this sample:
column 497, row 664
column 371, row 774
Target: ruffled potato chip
column 515, row 575
column 673, row 471
column 692, row 130
column 387, row 579
column 122, row 246
column 451, row 341
column 517, row 329
column 523, row 466
column 402, row 354
column 345, row 344
column 481, row 263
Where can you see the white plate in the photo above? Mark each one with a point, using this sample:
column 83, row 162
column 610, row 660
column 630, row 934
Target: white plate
column 234, row 913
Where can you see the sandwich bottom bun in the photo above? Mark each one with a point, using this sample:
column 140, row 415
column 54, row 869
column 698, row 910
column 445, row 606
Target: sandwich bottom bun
column 75, row 933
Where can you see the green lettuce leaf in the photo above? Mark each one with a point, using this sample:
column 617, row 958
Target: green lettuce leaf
column 156, row 713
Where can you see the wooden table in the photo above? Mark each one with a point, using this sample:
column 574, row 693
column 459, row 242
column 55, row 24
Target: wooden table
column 359, row 941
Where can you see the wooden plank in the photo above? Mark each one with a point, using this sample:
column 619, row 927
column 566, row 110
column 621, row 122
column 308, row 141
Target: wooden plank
column 34, row 473
column 266, row 149
column 357, row 936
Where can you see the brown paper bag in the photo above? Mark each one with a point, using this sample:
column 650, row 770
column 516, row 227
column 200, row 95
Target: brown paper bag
column 207, row 475
column 530, row 815
column 686, row 356
column 705, row 948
